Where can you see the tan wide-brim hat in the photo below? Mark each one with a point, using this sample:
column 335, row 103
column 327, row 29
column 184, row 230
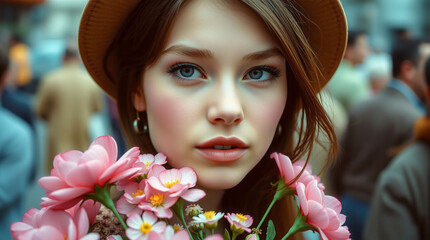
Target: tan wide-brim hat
column 102, row 19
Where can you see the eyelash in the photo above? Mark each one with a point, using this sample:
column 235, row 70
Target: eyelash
column 179, row 66
column 275, row 73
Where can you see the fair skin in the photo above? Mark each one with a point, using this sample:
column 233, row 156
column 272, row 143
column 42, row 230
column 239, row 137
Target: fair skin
column 412, row 74
column 210, row 86
column 357, row 53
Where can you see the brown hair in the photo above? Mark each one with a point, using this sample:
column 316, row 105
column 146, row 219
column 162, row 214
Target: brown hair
column 144, row 32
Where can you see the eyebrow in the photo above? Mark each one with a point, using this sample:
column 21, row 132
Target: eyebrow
column 204, row 53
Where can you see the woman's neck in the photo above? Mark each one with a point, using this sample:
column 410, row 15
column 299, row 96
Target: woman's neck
column 212, row 200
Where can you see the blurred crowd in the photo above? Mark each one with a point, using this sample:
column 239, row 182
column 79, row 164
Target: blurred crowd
column 39, row 118
column 377, row 102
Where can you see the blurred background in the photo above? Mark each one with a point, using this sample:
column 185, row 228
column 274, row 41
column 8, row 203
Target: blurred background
column 45, row 28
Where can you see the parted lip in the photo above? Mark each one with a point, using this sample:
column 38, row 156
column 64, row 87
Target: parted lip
column 223, row 141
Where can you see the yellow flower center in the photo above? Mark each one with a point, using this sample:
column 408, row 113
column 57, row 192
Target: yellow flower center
column 241, row 217
column 145, row 228
column 147, row 164
column 171, row 183
column 209, row 214
column 157, row 199
column 65, row 237
column 176, row 228
column 138, row 193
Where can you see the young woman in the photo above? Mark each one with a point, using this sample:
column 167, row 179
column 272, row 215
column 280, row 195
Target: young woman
column 217, row 85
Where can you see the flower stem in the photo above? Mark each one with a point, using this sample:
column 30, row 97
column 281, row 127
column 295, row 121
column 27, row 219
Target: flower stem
column 234, row 235
column 299, row 225
column 281, row 191
column 102, row 195
column 266, row 213
column 177, row 208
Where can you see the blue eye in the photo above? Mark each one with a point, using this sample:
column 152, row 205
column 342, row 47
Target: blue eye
column 186, row 71
column 262, row 73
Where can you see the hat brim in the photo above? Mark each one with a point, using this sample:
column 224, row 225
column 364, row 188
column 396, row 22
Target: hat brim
column 325, row 28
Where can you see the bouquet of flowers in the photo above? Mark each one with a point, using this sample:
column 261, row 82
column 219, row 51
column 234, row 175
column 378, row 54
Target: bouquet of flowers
column 79, row 202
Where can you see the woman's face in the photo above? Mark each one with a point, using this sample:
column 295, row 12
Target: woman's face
column 216, row 94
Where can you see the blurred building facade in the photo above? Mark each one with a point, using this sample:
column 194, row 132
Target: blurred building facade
column 47, row 27
column 379, row 18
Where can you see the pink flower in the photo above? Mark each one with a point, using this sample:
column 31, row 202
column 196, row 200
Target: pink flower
column 56, row 224
column 141, row 227
column 290, row 170
column 323, row 212
column 170, row 234
column 239, row 222
column 76, row 174
column 158, row 202
column 133, row 195
column 177, row 182
column 147, row 161
column 91, row 207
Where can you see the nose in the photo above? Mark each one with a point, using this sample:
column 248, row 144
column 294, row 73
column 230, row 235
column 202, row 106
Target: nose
column 225, row 108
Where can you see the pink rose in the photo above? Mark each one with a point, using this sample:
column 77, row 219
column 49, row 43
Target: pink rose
column 290, row 170
column 76, row 174
column 56, row 224
column 323, row 212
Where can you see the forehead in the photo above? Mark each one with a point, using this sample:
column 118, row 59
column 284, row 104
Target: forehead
column 219, row 24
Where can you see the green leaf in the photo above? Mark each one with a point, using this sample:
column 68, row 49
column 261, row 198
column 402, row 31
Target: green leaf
column 271, row 232
column 226, row 235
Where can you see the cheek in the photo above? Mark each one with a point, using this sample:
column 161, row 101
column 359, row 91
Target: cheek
column 265, row 115
column 165, row 119
column 170, row 116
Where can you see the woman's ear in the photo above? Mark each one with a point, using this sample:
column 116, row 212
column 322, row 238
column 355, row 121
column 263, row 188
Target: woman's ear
column 139, row 100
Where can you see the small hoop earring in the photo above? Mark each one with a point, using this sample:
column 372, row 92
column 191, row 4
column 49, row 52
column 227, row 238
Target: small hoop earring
column 139, row 125
column 279, row 130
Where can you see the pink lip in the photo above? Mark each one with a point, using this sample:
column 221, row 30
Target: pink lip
column 208, row 151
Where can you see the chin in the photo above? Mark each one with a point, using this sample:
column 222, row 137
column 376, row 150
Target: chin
column 218, row 183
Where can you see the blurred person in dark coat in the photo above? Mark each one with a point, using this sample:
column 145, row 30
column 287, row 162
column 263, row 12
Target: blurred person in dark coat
column 16, row 160
column 66, row 99
column 376, row 128
column 400, row 207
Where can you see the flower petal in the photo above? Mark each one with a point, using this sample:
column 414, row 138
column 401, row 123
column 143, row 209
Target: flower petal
column 317, row 215
column 333, row 203
column 69, row 193
column 193, row 195
column 85, row 175
column 109, row 144
column 303, row 201
column 188, row 176
column 134, row 221
column 52, row 183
